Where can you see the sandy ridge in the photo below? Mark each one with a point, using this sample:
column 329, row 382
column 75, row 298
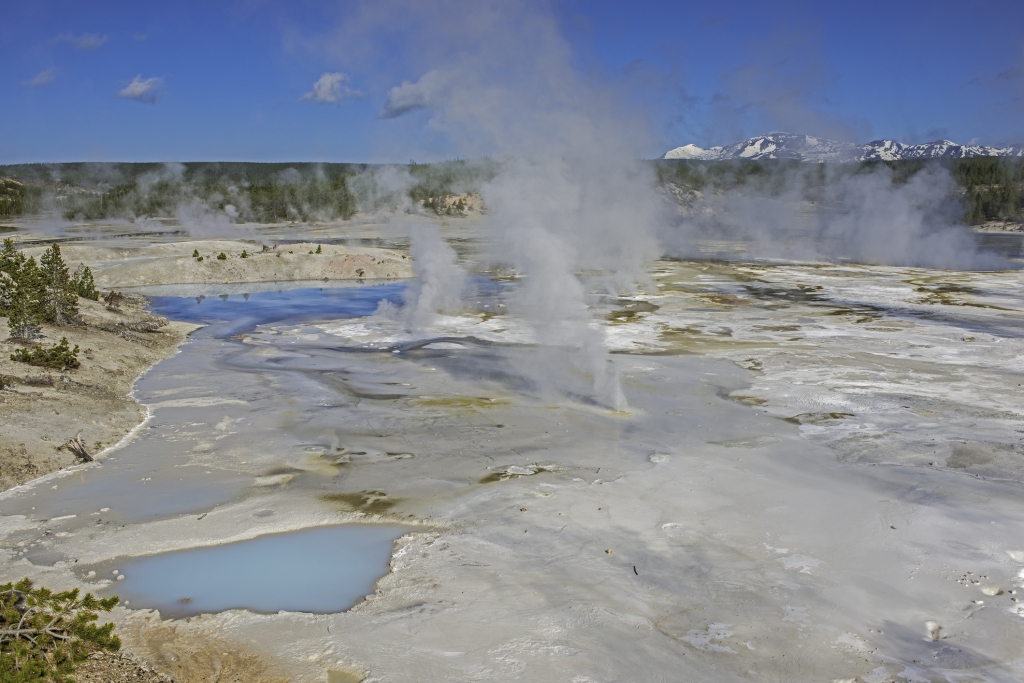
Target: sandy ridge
column 160, row 264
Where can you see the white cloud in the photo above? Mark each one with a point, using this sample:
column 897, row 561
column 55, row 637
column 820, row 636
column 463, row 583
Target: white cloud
column 139, row 37
column 41, row 79
column 147, row 90
column 84, row 41
column 331, row 88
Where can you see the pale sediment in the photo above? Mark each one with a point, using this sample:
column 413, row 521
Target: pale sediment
column 41, row 409
column 174, row 263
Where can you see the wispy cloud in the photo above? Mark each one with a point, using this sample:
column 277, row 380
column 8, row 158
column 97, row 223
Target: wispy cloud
column 147, row 90
column 331, row 88
column 1015, row 74
column 41, row 79
column 82, row 41
column 139, row 37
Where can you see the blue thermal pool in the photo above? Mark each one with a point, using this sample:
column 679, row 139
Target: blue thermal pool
column 233, row 314
column 321, row 570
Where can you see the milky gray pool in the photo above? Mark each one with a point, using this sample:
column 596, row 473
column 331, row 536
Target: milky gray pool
column 320, row 570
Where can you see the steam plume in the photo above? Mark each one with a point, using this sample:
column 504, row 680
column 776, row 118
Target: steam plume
column 498, row 78
column 439, row 280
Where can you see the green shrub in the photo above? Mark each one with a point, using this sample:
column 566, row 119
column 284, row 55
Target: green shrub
column 113, row 300
column 195, row 253
column 245, row 254
column 222, row 256
column 44, row 635
column 58, row 357
column 319, row 249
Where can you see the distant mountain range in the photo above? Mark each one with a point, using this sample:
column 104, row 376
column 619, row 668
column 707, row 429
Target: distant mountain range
column 807, row 148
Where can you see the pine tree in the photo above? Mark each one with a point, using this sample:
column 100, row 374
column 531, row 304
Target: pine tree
column 59, row 299
column 10, row 265
column 83, row 284
column 25, row 311
column 9, row 257
column 7, row 288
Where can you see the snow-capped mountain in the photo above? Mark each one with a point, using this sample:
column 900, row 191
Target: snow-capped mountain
column 807, row 148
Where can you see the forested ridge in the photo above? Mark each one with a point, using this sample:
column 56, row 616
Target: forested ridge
column 245, row 192
column 994, row 189
column 989, row 188
column 17, row 198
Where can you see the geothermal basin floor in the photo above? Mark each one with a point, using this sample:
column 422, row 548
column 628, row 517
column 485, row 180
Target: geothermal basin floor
column 818, row 478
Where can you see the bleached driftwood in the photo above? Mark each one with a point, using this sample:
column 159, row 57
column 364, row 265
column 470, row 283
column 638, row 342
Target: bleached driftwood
column 76, row 446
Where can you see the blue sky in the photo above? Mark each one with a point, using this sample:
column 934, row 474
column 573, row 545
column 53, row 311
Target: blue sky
column 227, row 80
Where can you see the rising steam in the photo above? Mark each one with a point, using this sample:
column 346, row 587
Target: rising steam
column 834, row 214
column 498, row 78
column 569, row 195
column 439, row 280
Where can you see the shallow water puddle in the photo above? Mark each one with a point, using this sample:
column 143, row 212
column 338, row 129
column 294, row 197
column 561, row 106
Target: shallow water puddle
column 320, row 570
